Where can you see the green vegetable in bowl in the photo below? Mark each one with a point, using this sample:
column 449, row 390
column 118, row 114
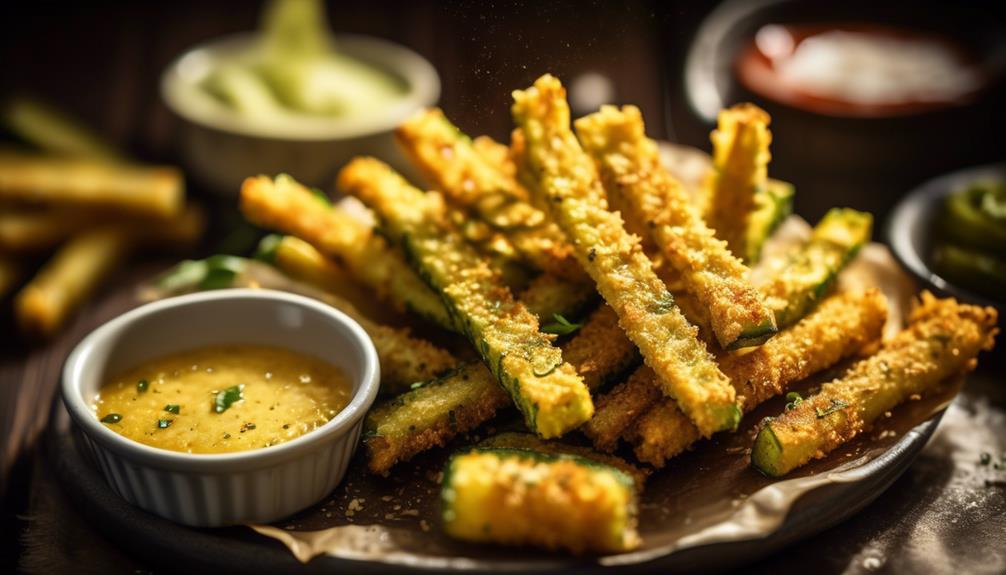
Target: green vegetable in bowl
column 297, row 69
column 970, row 250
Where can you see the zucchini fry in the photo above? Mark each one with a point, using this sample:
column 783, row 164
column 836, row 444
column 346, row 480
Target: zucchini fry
column 68, row 279
column 478, row 178
column 156, row 192
column 287, row 206
column 431, row 415
column 841, row 327
column 548, row 391
column 404, row 359
column 569, row 185
column 24, row 231
column 52, row 131
column 812, row 269
column 600, row 351
column 773, row 204
column 519, row 497
column 434, row 413
column 617, row 410
column 942, row 340
column 636, row 183
column 740, row 168
column 547, row 296
column 531, row 442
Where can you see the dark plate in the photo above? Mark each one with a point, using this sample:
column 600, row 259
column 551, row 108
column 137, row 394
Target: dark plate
column 910, row 226
column 178, row 548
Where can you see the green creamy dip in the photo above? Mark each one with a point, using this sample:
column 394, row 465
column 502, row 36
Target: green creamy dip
column 296, row 69
column 970, row 246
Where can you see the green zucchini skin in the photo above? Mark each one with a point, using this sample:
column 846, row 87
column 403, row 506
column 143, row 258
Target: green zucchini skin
column 813, row 269
column 548, row 391
column 773, row 204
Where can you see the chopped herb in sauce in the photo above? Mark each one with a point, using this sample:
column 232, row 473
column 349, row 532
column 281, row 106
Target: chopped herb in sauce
column 173, row 408
column 225, row 398
column 111, row 418
column 164, row 423
column 142, row 385
column 985, row 457
column 561, row 326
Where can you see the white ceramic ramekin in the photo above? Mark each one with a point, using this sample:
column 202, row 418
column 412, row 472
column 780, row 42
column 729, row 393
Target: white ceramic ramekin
column 209, row 490
column 220, row 148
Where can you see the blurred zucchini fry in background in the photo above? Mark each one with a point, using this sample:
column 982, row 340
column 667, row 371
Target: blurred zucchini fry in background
column 941, row 341
column 636, row 183
column 740, row 169
column 548, row 391
column 48, row 129
column 568, row 184
column 151, row 191
column 83, row 195
column 68, row 279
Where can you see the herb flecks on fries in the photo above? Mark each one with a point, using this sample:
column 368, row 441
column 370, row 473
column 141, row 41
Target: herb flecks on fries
column 942, row 340
column 638, row 184
column 548, row 391
column 569, row 185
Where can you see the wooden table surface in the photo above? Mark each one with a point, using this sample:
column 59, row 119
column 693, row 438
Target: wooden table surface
column 101, row 61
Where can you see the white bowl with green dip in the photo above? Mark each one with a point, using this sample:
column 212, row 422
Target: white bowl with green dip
column 292, row 99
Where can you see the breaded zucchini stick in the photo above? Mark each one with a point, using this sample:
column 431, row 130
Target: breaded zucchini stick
column 840, row 328
column 521, row 497
column 287, row 206
column 479, row 179
column 812, row 269
column 772, row 205
column 548, row 391
column 404, row 359
column 614, row 259
column 547, row 296
column 637, row 184
column 458, row 402
column 156, row 192
column 600, row 351
column 531, row 442
column 431, row 415
column 68, row 279
column 52, row 131
column 740, row 168
column 941, row 341
column 617, row 411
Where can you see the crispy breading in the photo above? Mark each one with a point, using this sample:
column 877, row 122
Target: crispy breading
column 481, row 179
column 547, row 296
column 740, row 168
column 617, row 410
column 638, row 185
column 842, row 326
column 942, row 340
column 431, row 415
column 287, row 206
column 600, row 351
column 547, row 390
column 569, row 185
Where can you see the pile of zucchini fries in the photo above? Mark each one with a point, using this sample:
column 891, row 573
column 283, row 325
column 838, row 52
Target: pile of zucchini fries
column 513, row 246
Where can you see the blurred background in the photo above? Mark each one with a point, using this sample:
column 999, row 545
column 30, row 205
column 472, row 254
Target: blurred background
column 868, row 99
column 678, row 61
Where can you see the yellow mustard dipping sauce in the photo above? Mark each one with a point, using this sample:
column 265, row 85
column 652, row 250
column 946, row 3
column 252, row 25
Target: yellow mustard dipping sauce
column 221, row 399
